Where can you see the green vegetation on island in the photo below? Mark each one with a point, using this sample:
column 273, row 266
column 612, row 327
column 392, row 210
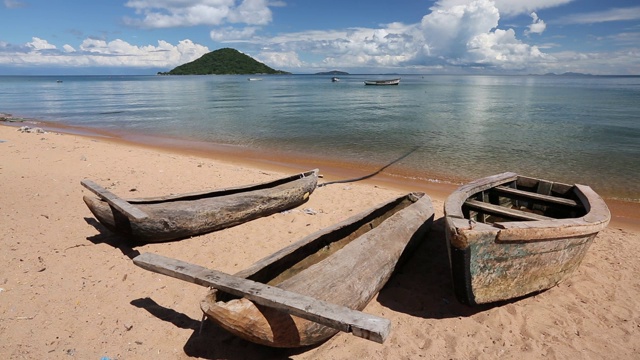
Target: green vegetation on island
column 225, row 61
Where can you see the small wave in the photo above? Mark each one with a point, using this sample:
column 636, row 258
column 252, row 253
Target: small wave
column 111, row 112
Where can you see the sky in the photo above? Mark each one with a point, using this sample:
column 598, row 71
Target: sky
column 87, row 37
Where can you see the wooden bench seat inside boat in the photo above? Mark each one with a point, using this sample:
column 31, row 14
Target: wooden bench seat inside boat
column 504, row 212
column 536, row 196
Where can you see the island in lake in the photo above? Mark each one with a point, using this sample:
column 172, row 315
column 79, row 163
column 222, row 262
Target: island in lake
column 225, row 61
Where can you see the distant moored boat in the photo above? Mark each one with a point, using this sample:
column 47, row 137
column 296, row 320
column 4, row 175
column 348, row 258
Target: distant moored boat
column 382, row 82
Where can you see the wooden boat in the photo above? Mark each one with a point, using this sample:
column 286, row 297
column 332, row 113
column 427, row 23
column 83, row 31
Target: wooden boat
column 346, row 264
column 382, row 82
column 173, row 217
column 511, row 235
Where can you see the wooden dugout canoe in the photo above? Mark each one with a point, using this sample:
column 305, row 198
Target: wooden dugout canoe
column 511, row 235
column 346, row 264
column 173, row 217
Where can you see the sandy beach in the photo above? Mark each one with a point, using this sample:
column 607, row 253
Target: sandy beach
column 69, row 290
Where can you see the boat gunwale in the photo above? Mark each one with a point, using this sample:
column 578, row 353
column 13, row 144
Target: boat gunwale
column 223, row 191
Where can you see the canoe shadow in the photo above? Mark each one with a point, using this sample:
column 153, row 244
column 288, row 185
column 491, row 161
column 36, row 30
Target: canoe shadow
column 105, row 236
column 422, row 286
column 209, row 341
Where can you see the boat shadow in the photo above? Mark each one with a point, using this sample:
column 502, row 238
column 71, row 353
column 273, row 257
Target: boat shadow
column 422, row 286
column 209, row 341
column 116, row 241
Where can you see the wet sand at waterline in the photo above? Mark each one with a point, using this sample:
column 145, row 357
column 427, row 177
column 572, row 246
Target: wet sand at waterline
column 69, row 290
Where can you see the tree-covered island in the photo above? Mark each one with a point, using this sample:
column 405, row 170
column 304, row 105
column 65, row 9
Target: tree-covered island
column 225, row 61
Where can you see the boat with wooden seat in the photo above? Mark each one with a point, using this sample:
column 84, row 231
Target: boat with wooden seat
column 511, row 235
column 172, row 217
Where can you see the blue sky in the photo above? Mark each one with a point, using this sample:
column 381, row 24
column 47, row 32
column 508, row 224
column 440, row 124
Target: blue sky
column 308, row 36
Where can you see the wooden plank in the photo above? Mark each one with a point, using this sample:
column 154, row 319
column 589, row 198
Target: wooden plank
column 544, row 187
column 363, row 325
column 114, row 200
column 510, row 213
column 536, row 196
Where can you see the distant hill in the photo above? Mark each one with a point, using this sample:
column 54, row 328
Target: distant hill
column 567, row 74
column 333, row 72
column 225, row 61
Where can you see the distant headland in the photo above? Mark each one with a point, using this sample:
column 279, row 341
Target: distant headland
column 224, row 61
column 333, row 72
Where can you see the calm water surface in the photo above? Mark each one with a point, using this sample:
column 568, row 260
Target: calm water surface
column 573, row 129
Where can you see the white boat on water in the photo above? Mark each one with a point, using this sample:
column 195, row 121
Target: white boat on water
column 335, row 79
column 382, row 82
column 254, row 79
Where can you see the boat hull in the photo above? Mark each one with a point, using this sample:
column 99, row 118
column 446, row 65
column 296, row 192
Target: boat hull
column 367, row 247
column 500, row 260
column 382, row 82
column 181, row 216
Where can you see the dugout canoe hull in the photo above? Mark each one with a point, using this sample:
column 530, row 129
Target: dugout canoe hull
column 346, row 264
column 509, row 235
column 181, row 216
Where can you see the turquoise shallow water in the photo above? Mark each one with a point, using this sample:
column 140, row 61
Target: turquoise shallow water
column 572, row 129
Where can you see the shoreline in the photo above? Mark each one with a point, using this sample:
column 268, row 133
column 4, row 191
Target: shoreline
column 623, row 213
column 68, row 288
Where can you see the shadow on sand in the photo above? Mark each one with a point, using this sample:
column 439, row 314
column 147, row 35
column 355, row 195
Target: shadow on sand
column 105, row 236
column 423, row 287
column 208, row 341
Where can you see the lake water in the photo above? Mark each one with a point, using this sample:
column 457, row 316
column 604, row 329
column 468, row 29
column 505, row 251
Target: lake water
column 573, row 129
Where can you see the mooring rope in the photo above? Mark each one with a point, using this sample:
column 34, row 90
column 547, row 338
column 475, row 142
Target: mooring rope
column 373, row 173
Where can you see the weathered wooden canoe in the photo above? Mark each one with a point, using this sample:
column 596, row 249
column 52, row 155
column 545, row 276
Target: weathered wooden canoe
column 179, row 216
column 511, row 235
column 346, row 264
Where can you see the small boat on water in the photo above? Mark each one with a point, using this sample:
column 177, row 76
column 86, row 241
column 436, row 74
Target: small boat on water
column 171, row 217
column 335, row 79
column 254, row 79
column 511, row 235
column 341, row 268
column 382, row 82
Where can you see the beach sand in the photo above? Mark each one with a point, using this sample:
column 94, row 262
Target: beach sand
column 69, row 290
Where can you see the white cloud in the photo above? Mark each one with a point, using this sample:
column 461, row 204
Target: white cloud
column 39, row 44
column 616, row 14
column 508, row 7
column 232, row 34
column 92, row 52
column 537, row 26
column 183, row 13
column 282, row 59
column 14, row 4
column 462, row 35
